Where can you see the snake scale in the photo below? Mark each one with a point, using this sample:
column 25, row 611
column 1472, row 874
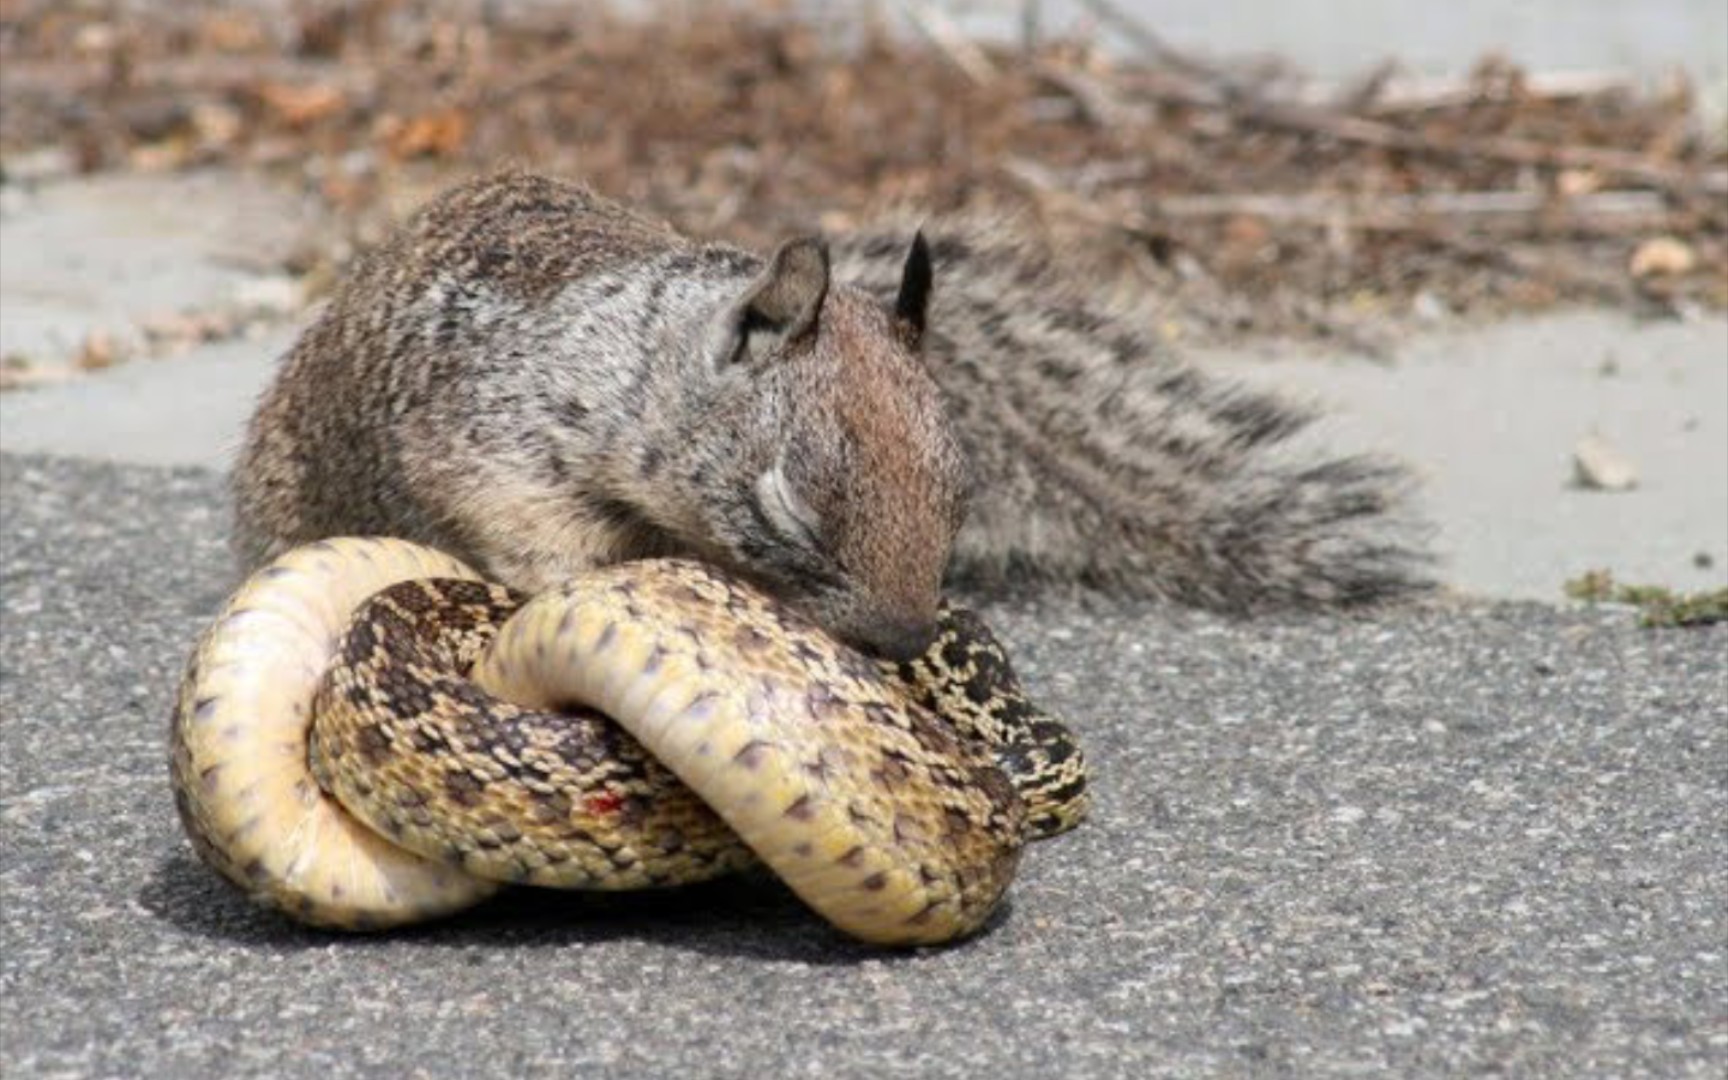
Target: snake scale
column 368, row 735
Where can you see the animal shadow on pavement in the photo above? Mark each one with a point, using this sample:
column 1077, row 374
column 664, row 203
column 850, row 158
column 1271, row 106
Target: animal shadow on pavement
column 750, row 915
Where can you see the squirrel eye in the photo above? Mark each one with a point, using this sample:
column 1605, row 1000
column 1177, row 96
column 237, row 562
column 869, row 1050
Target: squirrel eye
column 790, row 515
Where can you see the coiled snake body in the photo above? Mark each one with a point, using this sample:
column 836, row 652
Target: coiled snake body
column 369, row 735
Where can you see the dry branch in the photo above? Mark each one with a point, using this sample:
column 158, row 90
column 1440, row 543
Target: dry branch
column 1401, row 95
column 1614, row 209
column 1191, row 81
column 1158, row 51
column 966, row 54
column 1619, row 164
column 1600, row 211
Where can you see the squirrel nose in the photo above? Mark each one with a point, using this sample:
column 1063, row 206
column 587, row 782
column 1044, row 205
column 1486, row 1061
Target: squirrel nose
column 898, row 639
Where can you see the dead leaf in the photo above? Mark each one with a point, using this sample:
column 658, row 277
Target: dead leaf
column 1574, row 182
column 1662, row 256
column 217, row 123
column 301, row 106
column 98, row 351
column 437, row 134
column 159, row 157
column 232, row 32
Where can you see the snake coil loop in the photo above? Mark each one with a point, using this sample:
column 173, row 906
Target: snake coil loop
column 369, row 735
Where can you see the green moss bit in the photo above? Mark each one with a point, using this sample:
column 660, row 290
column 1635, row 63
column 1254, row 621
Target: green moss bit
column 1658, row 606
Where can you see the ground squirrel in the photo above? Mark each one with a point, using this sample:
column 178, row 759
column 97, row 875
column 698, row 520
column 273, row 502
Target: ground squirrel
column 539, row 380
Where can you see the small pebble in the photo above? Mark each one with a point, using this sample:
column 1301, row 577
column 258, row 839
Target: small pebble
column 1598, row 465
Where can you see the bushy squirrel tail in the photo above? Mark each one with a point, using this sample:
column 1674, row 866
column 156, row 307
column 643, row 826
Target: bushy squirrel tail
column 1099, row 458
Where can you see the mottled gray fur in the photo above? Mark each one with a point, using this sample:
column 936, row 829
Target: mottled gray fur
column 539, row 380
column 1098, row 456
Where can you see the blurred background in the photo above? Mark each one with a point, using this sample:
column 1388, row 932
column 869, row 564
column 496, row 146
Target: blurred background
column 1521, row 209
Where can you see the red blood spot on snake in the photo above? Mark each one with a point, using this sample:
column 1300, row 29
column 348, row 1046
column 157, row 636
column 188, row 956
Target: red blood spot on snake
column 604, row 803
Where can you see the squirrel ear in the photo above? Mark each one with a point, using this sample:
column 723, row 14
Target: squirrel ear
column 913, row 302
column 785, row 301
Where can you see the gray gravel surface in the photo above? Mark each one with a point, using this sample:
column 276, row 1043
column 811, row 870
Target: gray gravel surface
column 1472, row 838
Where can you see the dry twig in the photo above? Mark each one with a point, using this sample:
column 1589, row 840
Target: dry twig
column 966, row 54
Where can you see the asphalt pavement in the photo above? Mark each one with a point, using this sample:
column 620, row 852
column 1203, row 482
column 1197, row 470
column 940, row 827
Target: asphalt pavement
column 1466, row 838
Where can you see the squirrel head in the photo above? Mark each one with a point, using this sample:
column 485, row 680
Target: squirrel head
column 823, row 462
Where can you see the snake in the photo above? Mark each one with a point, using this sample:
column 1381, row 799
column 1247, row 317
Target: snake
column 369, row 734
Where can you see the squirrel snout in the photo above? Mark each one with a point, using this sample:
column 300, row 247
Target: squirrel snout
column 897, row 639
